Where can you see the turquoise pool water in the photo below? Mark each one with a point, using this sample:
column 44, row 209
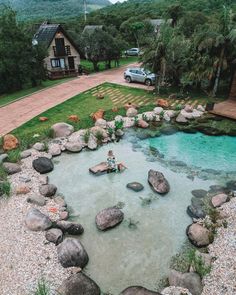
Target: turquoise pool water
column 206, row 152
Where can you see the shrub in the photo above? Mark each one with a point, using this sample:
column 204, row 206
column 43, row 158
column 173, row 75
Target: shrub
column 136, row 121
column 99, row 136
column 119, row 125
column 110, row 131
column 13, row 156
column 3, row 174
column 5, row 188
column 161, row 115
column 42, row 288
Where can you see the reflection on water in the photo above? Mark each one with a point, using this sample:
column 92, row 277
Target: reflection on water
column 126, row 255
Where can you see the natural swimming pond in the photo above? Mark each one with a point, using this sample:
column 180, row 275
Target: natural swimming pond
column 139, row 250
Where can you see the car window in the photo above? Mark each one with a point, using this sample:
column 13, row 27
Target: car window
column 140, row 72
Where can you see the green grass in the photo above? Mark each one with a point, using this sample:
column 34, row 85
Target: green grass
column 5, row 188
column 11, row 97
column 102, row 65
column 13, row 156
column 42, row 288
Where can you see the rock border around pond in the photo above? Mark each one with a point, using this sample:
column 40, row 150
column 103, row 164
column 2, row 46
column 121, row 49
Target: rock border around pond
column 74, row 142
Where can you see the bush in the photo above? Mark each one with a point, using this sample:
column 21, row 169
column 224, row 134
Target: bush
column 87, row 135
column 197, row 262
column 3, row 174
column 99, row 136
column 119, row 125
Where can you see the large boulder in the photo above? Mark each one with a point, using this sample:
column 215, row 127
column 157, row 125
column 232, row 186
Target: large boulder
column 158, row 182
column 181, row 119
column 25, row 154
column 196, row 209
column 219, row 200
column 131, row 112
column 99, row 130
column 62, row 130
column 137, row 290
column 108, row 218
column 198, row 235
column 142, row 124
column 70, row 228
column 54, row 235
column 43, row 165
column 10, row 142
column 189, row 280
column 72, row 253
column 78, row 284
column 92, row 142
column 99, row 169
column 35, row 220
column 11, row 168
column 48, row 190
column 73, row 147
column 158, row 110
column 135, row 186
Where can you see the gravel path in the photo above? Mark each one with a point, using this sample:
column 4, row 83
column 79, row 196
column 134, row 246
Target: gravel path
column 222, row 279
column 25, row 256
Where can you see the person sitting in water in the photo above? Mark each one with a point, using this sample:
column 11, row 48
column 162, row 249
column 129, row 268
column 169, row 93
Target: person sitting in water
column 112, row 163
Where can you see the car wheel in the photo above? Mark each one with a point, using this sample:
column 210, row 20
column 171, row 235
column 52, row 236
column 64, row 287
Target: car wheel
column 148, row 82
column 128, row 79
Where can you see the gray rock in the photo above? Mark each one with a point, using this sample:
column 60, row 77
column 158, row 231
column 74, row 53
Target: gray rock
column 108, row 218
column 196, row 209
column 72, row 253
column 158, row 182
column 119, row 133
column 48, row 190
column 25, row 154
column 137, row 290
column 11, row 168
column 3, row 157
column 172, row 290
column 54, row 235
column 62, row 130
column 37, row 200
column 54, row 149
column 73, row 147
column 181, row 119
column 24, row 178
column 70, row 228
column 219, row 200
column 135, row 186
column 199, row 193
column 77, row 284
column 60, row 201
column 177, row 163
column 190, row 281
column 43, row 165
column 39, row 146
column 131, row 112
column 92, row 142
column 198, row 235
column 37, row 221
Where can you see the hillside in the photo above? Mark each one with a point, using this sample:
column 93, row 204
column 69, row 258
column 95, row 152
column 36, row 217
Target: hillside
column 51, row 9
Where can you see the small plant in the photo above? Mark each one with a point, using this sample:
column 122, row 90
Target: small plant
column 99, row 136
column 198, row 263
column 13, row 156
column 5, row 188
column 144, row 117
column 110, row 131
column 42, row 288
column 87, row 135
column 161, row 115
column 119, row 125
column 178, row 107
column 136, row 121
column 147, row 201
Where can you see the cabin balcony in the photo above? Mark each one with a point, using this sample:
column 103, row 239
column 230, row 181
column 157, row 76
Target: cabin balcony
column 61, row 73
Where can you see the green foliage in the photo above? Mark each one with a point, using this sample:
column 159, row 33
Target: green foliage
column 13, row 156
column 5, row 188
column 3, row 174
column 21, row 62
column 42, row 288
column 99, row 136
column 197, row 262
column 119, row 125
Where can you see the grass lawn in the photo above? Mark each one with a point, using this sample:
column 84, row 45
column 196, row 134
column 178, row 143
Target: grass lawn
column 86, row 103
column 102, row 65
column 8, row 98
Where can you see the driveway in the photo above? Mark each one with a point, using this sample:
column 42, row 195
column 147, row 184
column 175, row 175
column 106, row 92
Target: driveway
column 21, row 111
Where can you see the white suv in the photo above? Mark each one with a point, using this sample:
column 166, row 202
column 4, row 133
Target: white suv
column 139, row 75
column 132, row 52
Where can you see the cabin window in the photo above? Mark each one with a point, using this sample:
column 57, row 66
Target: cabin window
column 68, row 51
column 58, row 63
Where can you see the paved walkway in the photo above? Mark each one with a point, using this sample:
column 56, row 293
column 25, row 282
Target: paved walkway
column 21, row 111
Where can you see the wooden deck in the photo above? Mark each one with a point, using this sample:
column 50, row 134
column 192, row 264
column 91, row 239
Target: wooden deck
column 225, row 109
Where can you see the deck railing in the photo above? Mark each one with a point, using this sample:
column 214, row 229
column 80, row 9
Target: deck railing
column 61, row 73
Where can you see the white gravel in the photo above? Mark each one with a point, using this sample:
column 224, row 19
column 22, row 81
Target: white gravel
column 26, row 256
column 222, row 278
